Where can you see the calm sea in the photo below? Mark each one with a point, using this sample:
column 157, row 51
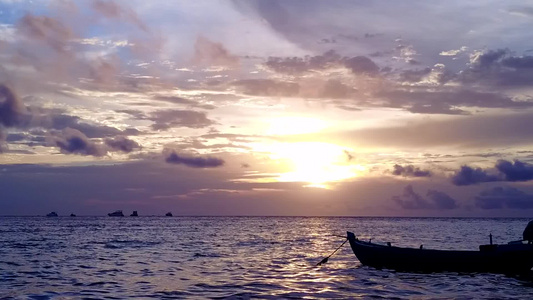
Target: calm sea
column 237, row 257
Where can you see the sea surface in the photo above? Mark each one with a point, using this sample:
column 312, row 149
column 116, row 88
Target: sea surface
column 237, row 258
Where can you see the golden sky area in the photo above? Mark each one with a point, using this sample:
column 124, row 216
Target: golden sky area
column 266, row 107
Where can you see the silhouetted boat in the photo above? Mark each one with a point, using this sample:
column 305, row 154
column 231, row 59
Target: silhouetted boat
column 168, row 214
column 72, row 215
column 116, row 213
column 134, row 214
column 512, row 258
column 52, row 214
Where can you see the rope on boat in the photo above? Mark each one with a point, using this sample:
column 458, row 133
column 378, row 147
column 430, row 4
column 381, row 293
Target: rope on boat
column 325, row 260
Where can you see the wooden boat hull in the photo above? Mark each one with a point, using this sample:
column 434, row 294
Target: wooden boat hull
column 506, row 259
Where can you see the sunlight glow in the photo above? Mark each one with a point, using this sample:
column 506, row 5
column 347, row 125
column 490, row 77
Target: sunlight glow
column 295, row 125
column 314, row 162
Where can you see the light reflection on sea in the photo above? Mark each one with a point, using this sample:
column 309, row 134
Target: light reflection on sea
column 238, row 257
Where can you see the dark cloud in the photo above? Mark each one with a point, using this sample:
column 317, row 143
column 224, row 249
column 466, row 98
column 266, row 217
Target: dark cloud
column 50, row 31
column 504, row 197
column 12, row 111
column 410, row 171
column 488, row 59
column 193, row 161
column 361, row 65
column 349, row 156
column 330, row 59
column 517, row 171
column 31, row 138
column 523, row 62
column 60, row 121
column 72, row 141
column 335, row 89
column 441, row 200
column 175, row 100
column 499, row 68
column 468, row 175
column 507, row 171
column 268, row 87
column 122, row 144
column 414, row 75
column 3, row 137
column 435, row 200
column 213, row 53
column 165, row 119
column 309, row 89
column 446, row 100
column 112, row 10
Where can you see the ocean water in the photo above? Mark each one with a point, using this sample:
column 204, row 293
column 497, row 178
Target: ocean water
column 237, row 258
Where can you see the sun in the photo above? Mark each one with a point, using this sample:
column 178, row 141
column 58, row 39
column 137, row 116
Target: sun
column 315, row 163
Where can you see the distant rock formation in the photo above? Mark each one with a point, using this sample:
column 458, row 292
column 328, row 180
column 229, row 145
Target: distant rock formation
column 168, row 214
column 72, row 215
column 52, row 214
column 134, row 214
column 117, row 213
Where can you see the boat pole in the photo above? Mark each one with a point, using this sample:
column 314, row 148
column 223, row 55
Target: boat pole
column 325, row 259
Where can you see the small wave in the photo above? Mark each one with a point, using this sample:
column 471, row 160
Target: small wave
column 119, row 244
column 206, row 255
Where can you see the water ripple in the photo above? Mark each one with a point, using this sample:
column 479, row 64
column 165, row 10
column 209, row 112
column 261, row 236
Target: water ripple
column 237, row 258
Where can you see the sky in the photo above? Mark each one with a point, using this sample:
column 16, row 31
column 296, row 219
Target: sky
column 267, row 107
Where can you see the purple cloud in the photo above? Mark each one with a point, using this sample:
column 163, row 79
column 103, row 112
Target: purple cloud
column 194, row 161
column 410, row 171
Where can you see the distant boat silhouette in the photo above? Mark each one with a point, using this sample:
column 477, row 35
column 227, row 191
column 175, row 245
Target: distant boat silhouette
column 52, row 214
column 116, row 213
column 168, row 214
column 72, row 215
column 134, row 214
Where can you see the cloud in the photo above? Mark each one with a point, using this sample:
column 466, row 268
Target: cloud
column 442, row 200
column 414, row 75
column 328, row 60
column 468, row 175
column 122, row 144
column 504, row 197
column 498, row 68
column 435, row 200
column 112, row 10
column 268, row 87
column 12, row 111
column 50, row 31
column 193, row 161
column 410, row 171
column 3, row 137
column 507, row 171
column 308, row 88
column 361, row 65
column 185, row 101
column 165, row 119
column 517, row 171
column 454, row 52
column 58, row 121
column 213, row 53
column 72, row 141
column 474, row 132
column 445, row 100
